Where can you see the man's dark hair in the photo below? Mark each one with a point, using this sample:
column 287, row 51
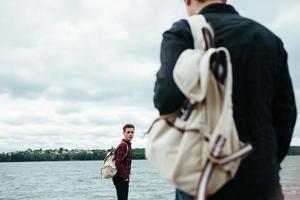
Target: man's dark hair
column 127, row 126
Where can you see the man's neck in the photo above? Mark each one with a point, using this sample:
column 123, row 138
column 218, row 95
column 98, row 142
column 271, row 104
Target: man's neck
column 200, row 6
column 126, row 140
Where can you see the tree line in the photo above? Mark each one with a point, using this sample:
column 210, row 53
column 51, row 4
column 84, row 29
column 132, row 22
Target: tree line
column 294, row 150
column 62, row 154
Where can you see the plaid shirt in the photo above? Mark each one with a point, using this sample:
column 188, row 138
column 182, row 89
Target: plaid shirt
column 123, row 163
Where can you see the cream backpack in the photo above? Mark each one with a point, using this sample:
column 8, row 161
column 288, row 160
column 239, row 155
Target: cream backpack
column 198, row 148
column 109, row 169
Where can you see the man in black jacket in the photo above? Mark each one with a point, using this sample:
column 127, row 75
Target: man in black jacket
column 263, row 98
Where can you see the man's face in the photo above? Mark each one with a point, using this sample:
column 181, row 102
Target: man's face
column 128, row 134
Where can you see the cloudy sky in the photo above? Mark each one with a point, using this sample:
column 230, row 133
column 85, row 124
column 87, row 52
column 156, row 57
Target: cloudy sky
column 72, row 72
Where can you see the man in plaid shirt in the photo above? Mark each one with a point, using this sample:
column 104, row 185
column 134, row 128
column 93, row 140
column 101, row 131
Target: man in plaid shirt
column 123, row 162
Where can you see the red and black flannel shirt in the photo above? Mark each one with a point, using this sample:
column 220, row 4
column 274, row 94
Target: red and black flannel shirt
column 123, row 164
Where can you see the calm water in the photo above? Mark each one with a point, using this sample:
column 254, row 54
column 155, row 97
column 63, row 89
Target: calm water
column 79, row 180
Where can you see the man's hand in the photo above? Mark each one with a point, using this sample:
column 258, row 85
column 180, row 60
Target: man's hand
column 127, row 179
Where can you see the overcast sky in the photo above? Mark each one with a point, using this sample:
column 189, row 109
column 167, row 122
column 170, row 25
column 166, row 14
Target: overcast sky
column 72, row 72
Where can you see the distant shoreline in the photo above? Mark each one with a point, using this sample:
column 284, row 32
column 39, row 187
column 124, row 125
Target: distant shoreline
column 62, row 154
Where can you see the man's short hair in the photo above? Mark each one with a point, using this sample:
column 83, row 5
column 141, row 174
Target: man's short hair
column 127, row 126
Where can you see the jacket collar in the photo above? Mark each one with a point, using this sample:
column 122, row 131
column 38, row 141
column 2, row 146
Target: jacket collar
column 218, row 8
column 126, row 141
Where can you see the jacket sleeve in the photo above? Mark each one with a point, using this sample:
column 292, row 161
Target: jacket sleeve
column 167, row 97
column 120, row 154
column 284, row 108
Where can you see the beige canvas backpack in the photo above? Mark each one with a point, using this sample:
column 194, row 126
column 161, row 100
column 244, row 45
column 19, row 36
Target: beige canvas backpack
column 109, row 169
column 197, row 148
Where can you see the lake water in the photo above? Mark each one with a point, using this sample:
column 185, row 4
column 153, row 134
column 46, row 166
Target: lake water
column 79, row 180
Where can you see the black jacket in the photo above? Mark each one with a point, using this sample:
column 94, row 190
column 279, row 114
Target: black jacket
column 263, row 98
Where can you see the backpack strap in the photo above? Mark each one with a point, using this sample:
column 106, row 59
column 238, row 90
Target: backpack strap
column 189, row 76
column 197, row 24
column 200, row 29
column 127, row 149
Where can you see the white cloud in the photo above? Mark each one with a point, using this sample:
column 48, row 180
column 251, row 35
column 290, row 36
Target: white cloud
column 41, row 123
column 295, row 142
column 287, row 15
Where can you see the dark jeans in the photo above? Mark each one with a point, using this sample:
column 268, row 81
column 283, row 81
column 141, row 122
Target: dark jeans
column 183, row 196
column 122, row 188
